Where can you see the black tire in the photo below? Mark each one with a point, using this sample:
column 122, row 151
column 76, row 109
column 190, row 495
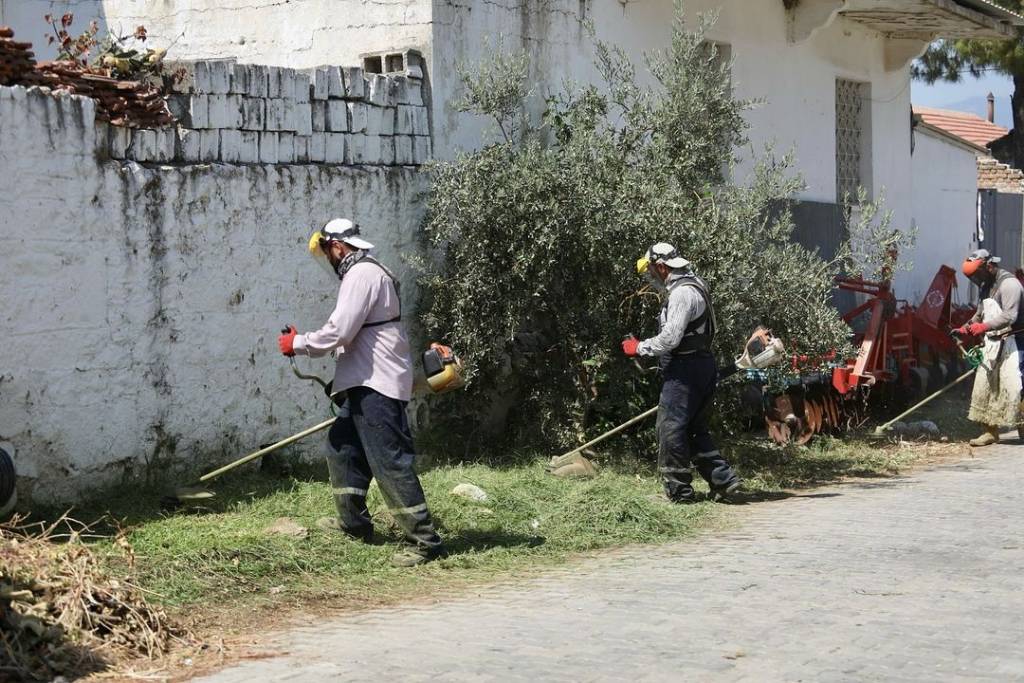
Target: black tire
column 7, row 481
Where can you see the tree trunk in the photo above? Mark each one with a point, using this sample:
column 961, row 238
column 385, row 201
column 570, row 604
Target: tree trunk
column 1017, row 136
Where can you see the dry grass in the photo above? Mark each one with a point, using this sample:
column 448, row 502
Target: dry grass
column 62, row 613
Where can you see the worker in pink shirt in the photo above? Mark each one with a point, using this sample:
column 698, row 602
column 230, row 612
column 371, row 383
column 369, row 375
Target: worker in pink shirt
column 371, row 437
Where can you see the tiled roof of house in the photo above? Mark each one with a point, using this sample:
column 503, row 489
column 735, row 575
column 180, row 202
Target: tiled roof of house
column 993, row 175
column 969, row 127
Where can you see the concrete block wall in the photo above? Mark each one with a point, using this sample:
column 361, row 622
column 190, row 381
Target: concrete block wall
column 142, row 301
column 251, row 113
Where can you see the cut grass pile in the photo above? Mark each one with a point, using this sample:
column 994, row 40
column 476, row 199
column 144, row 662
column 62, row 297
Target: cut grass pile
column 61, row 611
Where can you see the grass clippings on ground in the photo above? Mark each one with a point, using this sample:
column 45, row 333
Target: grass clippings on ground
column 255, row 553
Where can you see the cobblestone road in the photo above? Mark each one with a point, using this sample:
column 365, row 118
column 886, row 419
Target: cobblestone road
column 917, row 578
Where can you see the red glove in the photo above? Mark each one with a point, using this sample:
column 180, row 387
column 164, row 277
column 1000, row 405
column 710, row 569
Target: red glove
column 962, row 331
column 287, row 339
column 629, row 345
column 977, row 329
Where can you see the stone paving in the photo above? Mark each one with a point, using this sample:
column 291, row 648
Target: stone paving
column 915, row 578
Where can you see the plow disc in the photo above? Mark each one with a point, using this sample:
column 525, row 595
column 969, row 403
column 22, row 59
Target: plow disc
column 797, row 417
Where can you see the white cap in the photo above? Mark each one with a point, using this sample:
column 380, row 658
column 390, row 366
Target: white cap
column 344, row 230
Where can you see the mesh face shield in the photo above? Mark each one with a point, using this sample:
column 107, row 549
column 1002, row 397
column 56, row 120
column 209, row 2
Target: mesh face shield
column 316, row 245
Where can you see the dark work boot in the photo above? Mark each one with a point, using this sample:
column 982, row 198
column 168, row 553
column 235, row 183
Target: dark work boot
column 721, row 494
column 332, row 524
column 412, row 556
column 683, row 498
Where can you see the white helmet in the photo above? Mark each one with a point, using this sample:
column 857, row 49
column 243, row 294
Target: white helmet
column 336, row 230
column 662, row 252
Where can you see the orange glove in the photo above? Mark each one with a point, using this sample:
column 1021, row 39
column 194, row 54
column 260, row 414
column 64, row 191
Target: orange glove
column 287, row 340
column 977, row 329
column 629, row 345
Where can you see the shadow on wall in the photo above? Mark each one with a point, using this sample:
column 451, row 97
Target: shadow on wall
column 26, row 18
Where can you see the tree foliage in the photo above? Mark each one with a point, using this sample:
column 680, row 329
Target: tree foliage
column 949, row 60
column 532, row 241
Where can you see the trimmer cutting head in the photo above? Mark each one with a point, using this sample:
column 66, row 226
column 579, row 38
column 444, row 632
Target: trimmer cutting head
column 185, row 496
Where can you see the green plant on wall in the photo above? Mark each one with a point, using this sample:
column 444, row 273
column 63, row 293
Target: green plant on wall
column 533, row 240
column 116, row 55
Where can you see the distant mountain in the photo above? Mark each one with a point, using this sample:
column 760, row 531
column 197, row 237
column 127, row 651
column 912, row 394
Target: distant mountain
column 979, row 105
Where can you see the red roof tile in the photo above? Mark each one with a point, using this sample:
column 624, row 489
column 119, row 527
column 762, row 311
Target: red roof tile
column 969, row 127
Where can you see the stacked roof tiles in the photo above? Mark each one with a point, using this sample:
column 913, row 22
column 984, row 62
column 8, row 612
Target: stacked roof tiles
column 123, row 103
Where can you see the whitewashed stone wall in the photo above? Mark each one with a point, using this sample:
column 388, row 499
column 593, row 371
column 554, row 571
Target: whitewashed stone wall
column 141, row 302
column 795, row 81
column 251, row 113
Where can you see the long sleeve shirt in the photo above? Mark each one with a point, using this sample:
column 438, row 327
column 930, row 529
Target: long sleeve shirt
column 684, row 305
column 1007, row 292
column 376, row 357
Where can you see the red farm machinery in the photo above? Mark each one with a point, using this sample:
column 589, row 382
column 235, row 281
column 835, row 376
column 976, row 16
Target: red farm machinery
column 903, row 351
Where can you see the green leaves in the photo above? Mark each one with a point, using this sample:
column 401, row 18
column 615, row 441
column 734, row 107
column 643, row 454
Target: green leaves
column 532, row 242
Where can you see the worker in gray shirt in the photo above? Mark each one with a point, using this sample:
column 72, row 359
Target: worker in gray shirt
column 683, row 346
column 1002, row 287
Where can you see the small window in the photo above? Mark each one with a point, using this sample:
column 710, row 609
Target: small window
column 720, row 54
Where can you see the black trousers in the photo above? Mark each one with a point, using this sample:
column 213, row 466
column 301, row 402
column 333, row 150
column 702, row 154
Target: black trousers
column 1020, row 349
column 684, row 439
column 371, row 439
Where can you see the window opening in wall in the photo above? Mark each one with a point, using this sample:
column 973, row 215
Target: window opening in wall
column 853, row 138
column 395, row 63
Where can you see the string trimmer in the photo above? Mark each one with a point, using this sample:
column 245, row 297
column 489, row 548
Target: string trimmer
column 761, row 351
column 198, row 493
column 974, row 358
column 443, row 373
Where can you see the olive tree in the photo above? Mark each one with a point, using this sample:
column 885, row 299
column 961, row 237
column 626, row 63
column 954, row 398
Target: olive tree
column 532, row 241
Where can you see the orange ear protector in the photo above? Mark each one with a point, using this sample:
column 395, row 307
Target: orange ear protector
column 972, row 266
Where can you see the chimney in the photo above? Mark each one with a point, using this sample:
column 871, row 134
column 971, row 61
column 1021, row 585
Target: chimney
column 991, row 108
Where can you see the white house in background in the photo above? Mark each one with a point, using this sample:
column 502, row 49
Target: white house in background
column 963, row 198
column 833, row 74
column 944, row 202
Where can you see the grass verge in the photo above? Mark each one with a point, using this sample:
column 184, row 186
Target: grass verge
column 226, row 554
column 216, row 566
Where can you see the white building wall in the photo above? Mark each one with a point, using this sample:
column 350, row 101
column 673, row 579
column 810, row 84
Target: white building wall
column 141, row 305
column 302, row 33
column 944, row 200
column 795, row 81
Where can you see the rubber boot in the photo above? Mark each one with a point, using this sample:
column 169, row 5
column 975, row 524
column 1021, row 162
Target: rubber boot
column 988, row 437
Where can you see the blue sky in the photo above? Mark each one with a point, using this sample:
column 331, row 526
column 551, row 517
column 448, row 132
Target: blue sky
column 967, row 95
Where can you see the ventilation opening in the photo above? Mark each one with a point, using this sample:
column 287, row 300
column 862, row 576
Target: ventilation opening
column 395, row 63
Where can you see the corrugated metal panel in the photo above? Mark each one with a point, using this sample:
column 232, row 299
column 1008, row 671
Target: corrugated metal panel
column 1002, row 224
